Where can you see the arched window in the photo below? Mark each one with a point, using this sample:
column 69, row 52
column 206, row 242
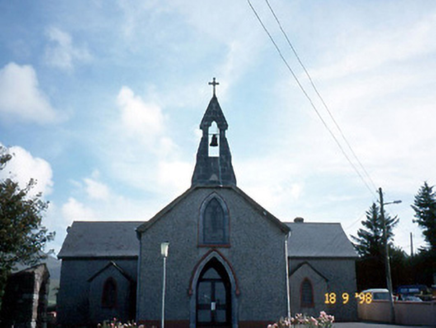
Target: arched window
column 109, row 295
column 306, row 294
column 214, row 222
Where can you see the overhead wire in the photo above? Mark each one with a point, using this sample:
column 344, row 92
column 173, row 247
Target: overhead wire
column 310, row 99
column 359, row 219
column 319, row 95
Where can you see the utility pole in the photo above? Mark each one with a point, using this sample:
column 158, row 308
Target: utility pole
column 386, row 253
column 411, row 245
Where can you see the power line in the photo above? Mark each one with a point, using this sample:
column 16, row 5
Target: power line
column 310, row 100
column 319, row 95
column 359, row 219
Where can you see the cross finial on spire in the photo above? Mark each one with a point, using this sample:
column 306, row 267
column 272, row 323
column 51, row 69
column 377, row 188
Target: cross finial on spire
column 214, row 83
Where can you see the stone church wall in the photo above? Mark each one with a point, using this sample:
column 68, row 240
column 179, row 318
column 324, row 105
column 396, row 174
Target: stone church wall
column 124, row 301
column 73, row 297
column 341, row 278
column 256, row 255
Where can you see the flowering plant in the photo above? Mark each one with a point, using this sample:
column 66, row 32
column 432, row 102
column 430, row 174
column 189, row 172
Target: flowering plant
column 323, row 321
column 114, row 323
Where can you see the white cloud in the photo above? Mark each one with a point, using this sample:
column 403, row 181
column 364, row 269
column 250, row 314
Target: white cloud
column 134, row 14
column 239, row 42
column 61, row 53
column 96, row 190
column 167, row 24
column 275, row 189
column 143, row 154
column 378, row 83
column 138, row 117
column 174, row 175
column 23, row 167
column 92, row 187
column 74, row 210
column 367, row 49
column 20, row 96
column 240, row 56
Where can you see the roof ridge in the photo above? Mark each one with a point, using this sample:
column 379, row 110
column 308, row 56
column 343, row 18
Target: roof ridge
column 108, row 221
column 303, row 223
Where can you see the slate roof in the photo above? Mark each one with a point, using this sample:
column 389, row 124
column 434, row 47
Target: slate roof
column 118, row 238
column 309, row 240
column 101, row 239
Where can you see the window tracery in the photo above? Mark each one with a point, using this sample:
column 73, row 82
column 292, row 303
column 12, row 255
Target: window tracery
column 214, row 223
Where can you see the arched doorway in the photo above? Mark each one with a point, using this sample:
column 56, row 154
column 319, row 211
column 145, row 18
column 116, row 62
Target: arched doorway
column 213, row 303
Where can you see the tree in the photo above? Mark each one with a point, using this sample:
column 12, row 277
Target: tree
column 369, row 242
column 22, row 236
column 425, row 213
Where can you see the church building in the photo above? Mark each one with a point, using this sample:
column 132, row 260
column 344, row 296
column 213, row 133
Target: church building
column 230, row 262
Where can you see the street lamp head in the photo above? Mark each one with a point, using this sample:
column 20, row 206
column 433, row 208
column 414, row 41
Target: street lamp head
column 164, row 248
column 394, row 202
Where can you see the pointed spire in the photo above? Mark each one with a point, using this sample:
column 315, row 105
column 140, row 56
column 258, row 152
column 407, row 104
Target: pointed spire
column 213, row 169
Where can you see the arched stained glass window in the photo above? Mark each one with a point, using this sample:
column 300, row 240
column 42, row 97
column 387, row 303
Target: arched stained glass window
column 214, row 223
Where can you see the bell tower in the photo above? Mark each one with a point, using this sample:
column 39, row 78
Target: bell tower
column 214, row 160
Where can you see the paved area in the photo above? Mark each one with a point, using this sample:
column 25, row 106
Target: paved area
column 372, row 325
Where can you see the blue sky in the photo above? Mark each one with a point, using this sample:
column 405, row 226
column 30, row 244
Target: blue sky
column 101, row 102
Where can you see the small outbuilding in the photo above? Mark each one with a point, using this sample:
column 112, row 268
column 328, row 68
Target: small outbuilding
column 24, row 303
column 322, row 266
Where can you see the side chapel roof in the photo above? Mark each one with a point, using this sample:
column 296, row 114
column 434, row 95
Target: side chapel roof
column 101, row 239
column 309, row 240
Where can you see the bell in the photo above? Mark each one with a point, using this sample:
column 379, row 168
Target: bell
column 214, row 141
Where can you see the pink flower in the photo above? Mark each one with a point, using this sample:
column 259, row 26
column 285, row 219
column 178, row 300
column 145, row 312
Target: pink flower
column 313, row 321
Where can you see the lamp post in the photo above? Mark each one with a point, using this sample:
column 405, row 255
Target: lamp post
column 164, row 252
column 288, row 296
column 386, row 251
